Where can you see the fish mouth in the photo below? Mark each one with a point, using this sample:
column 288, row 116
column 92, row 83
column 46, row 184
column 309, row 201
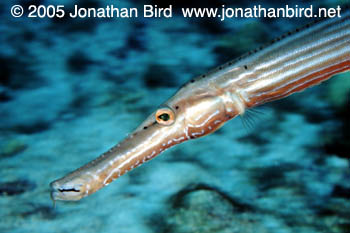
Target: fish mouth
column 69, row 190
column 64, row 193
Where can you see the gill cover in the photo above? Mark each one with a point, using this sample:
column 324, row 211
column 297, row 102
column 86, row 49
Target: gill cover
column 204, row 116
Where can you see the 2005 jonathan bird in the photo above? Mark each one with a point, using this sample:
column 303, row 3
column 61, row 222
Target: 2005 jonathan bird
column 289, row 64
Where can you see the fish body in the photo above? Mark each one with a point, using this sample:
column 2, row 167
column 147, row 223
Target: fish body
column 290, row 64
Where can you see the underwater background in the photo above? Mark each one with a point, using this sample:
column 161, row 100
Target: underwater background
column 72, row 88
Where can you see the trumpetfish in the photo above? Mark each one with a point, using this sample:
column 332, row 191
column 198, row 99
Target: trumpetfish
column 289, row 64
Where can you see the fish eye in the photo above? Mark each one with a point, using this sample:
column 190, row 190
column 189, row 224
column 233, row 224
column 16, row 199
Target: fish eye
column 165, row 116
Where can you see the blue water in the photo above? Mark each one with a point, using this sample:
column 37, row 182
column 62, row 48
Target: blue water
column 72, row 88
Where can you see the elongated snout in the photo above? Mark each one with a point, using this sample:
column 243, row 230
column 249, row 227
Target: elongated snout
column 150, row 139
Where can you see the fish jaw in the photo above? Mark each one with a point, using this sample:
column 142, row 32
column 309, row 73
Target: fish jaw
column 67, row 191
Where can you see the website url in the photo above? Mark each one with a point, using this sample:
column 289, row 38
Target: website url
column 257, row 11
